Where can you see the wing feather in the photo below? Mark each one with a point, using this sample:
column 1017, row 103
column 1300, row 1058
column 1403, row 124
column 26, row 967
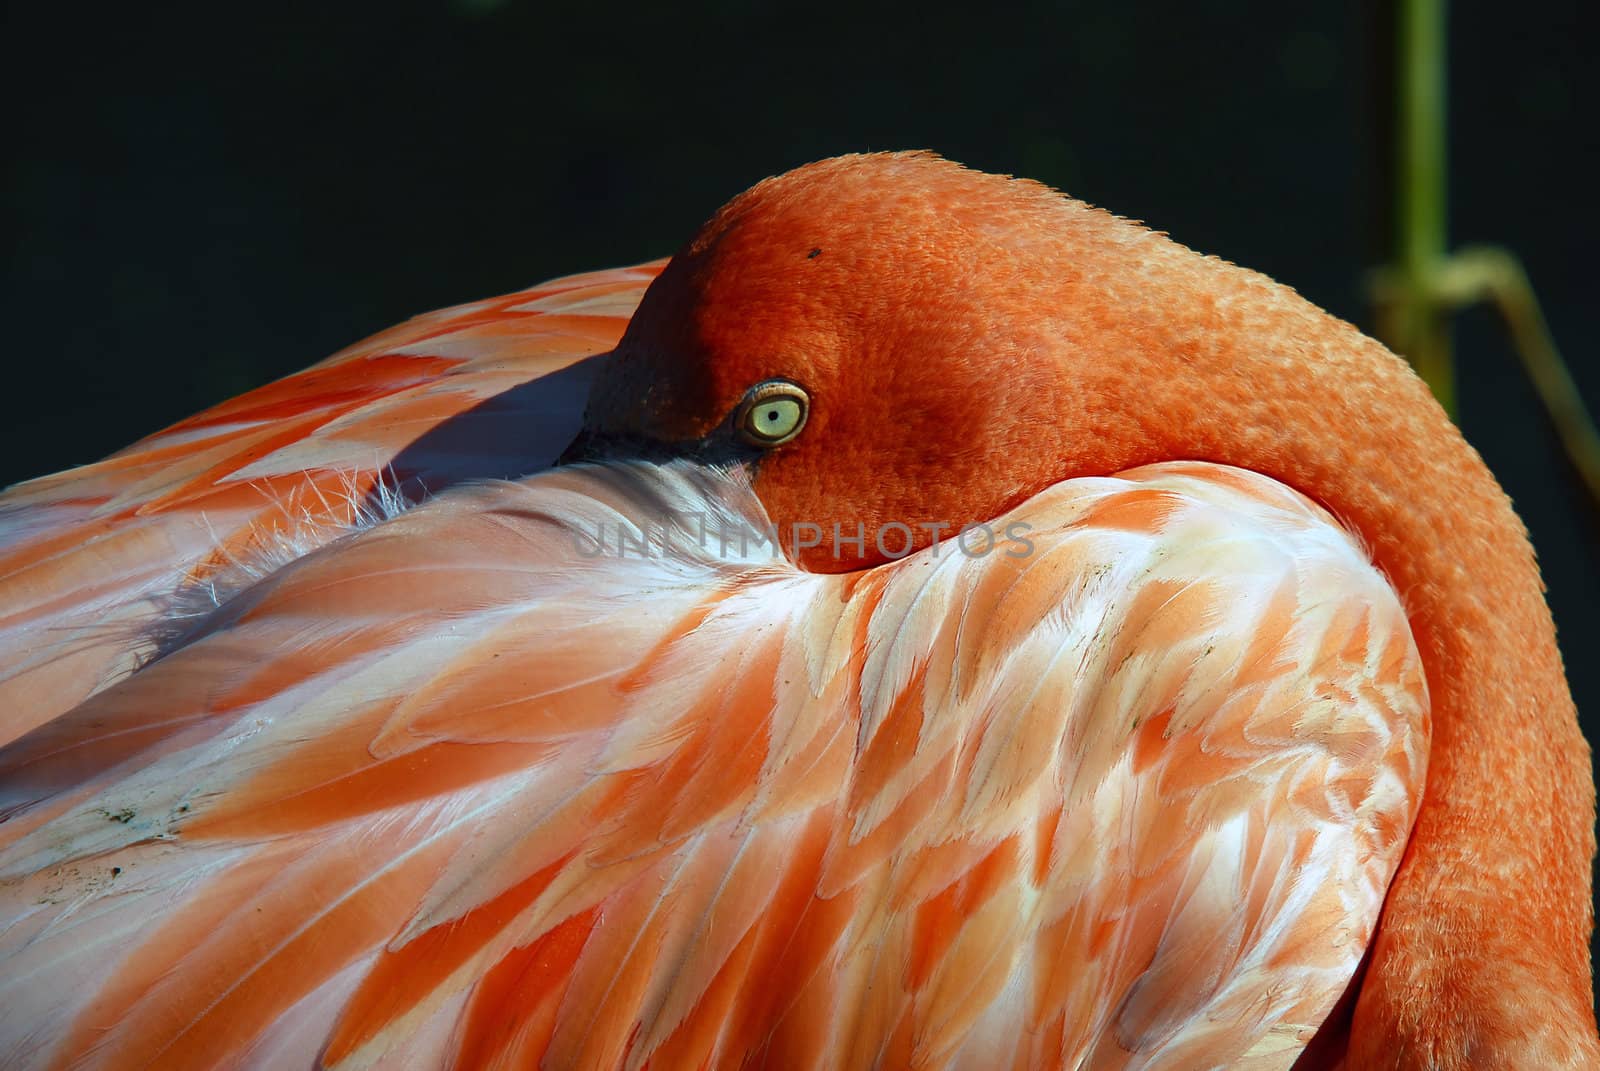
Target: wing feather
column 455, row 790
column 490, row 389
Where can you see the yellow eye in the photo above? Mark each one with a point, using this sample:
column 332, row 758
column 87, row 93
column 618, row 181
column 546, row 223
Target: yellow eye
column 772, row 413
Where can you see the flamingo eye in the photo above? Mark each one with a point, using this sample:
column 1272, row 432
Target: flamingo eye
column 772, row 413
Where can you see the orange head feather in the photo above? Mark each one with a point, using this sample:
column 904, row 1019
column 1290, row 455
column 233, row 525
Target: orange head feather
column 899, row 291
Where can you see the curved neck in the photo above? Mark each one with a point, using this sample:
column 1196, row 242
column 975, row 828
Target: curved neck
column 969, row 340
column 1209, row 362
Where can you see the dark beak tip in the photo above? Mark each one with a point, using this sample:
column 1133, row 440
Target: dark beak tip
column 581, row 448
column 600, row 446
column 596, row 446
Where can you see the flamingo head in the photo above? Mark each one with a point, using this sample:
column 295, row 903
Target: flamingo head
column 891, row 343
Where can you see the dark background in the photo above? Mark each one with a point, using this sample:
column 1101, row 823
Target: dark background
column 197, row 201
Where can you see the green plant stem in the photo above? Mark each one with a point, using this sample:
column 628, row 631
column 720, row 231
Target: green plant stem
column 1419, row 327
column 1493, row 274
column 1415, row 296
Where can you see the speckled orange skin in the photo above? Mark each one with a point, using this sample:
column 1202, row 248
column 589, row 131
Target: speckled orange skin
column 968, row 339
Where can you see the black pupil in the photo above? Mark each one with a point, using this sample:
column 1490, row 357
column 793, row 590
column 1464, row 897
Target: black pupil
column 772, row 414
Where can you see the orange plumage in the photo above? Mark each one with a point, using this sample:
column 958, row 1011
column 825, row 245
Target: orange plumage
column 298, row 773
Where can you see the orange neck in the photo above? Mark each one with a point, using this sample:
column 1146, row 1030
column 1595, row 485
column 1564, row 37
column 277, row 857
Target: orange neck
column 1492, row 905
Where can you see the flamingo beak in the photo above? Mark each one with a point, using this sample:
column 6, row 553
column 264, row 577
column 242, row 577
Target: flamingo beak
column 717, row 449
column 593, row 446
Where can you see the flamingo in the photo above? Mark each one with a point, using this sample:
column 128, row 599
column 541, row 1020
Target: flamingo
column 965, row 629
